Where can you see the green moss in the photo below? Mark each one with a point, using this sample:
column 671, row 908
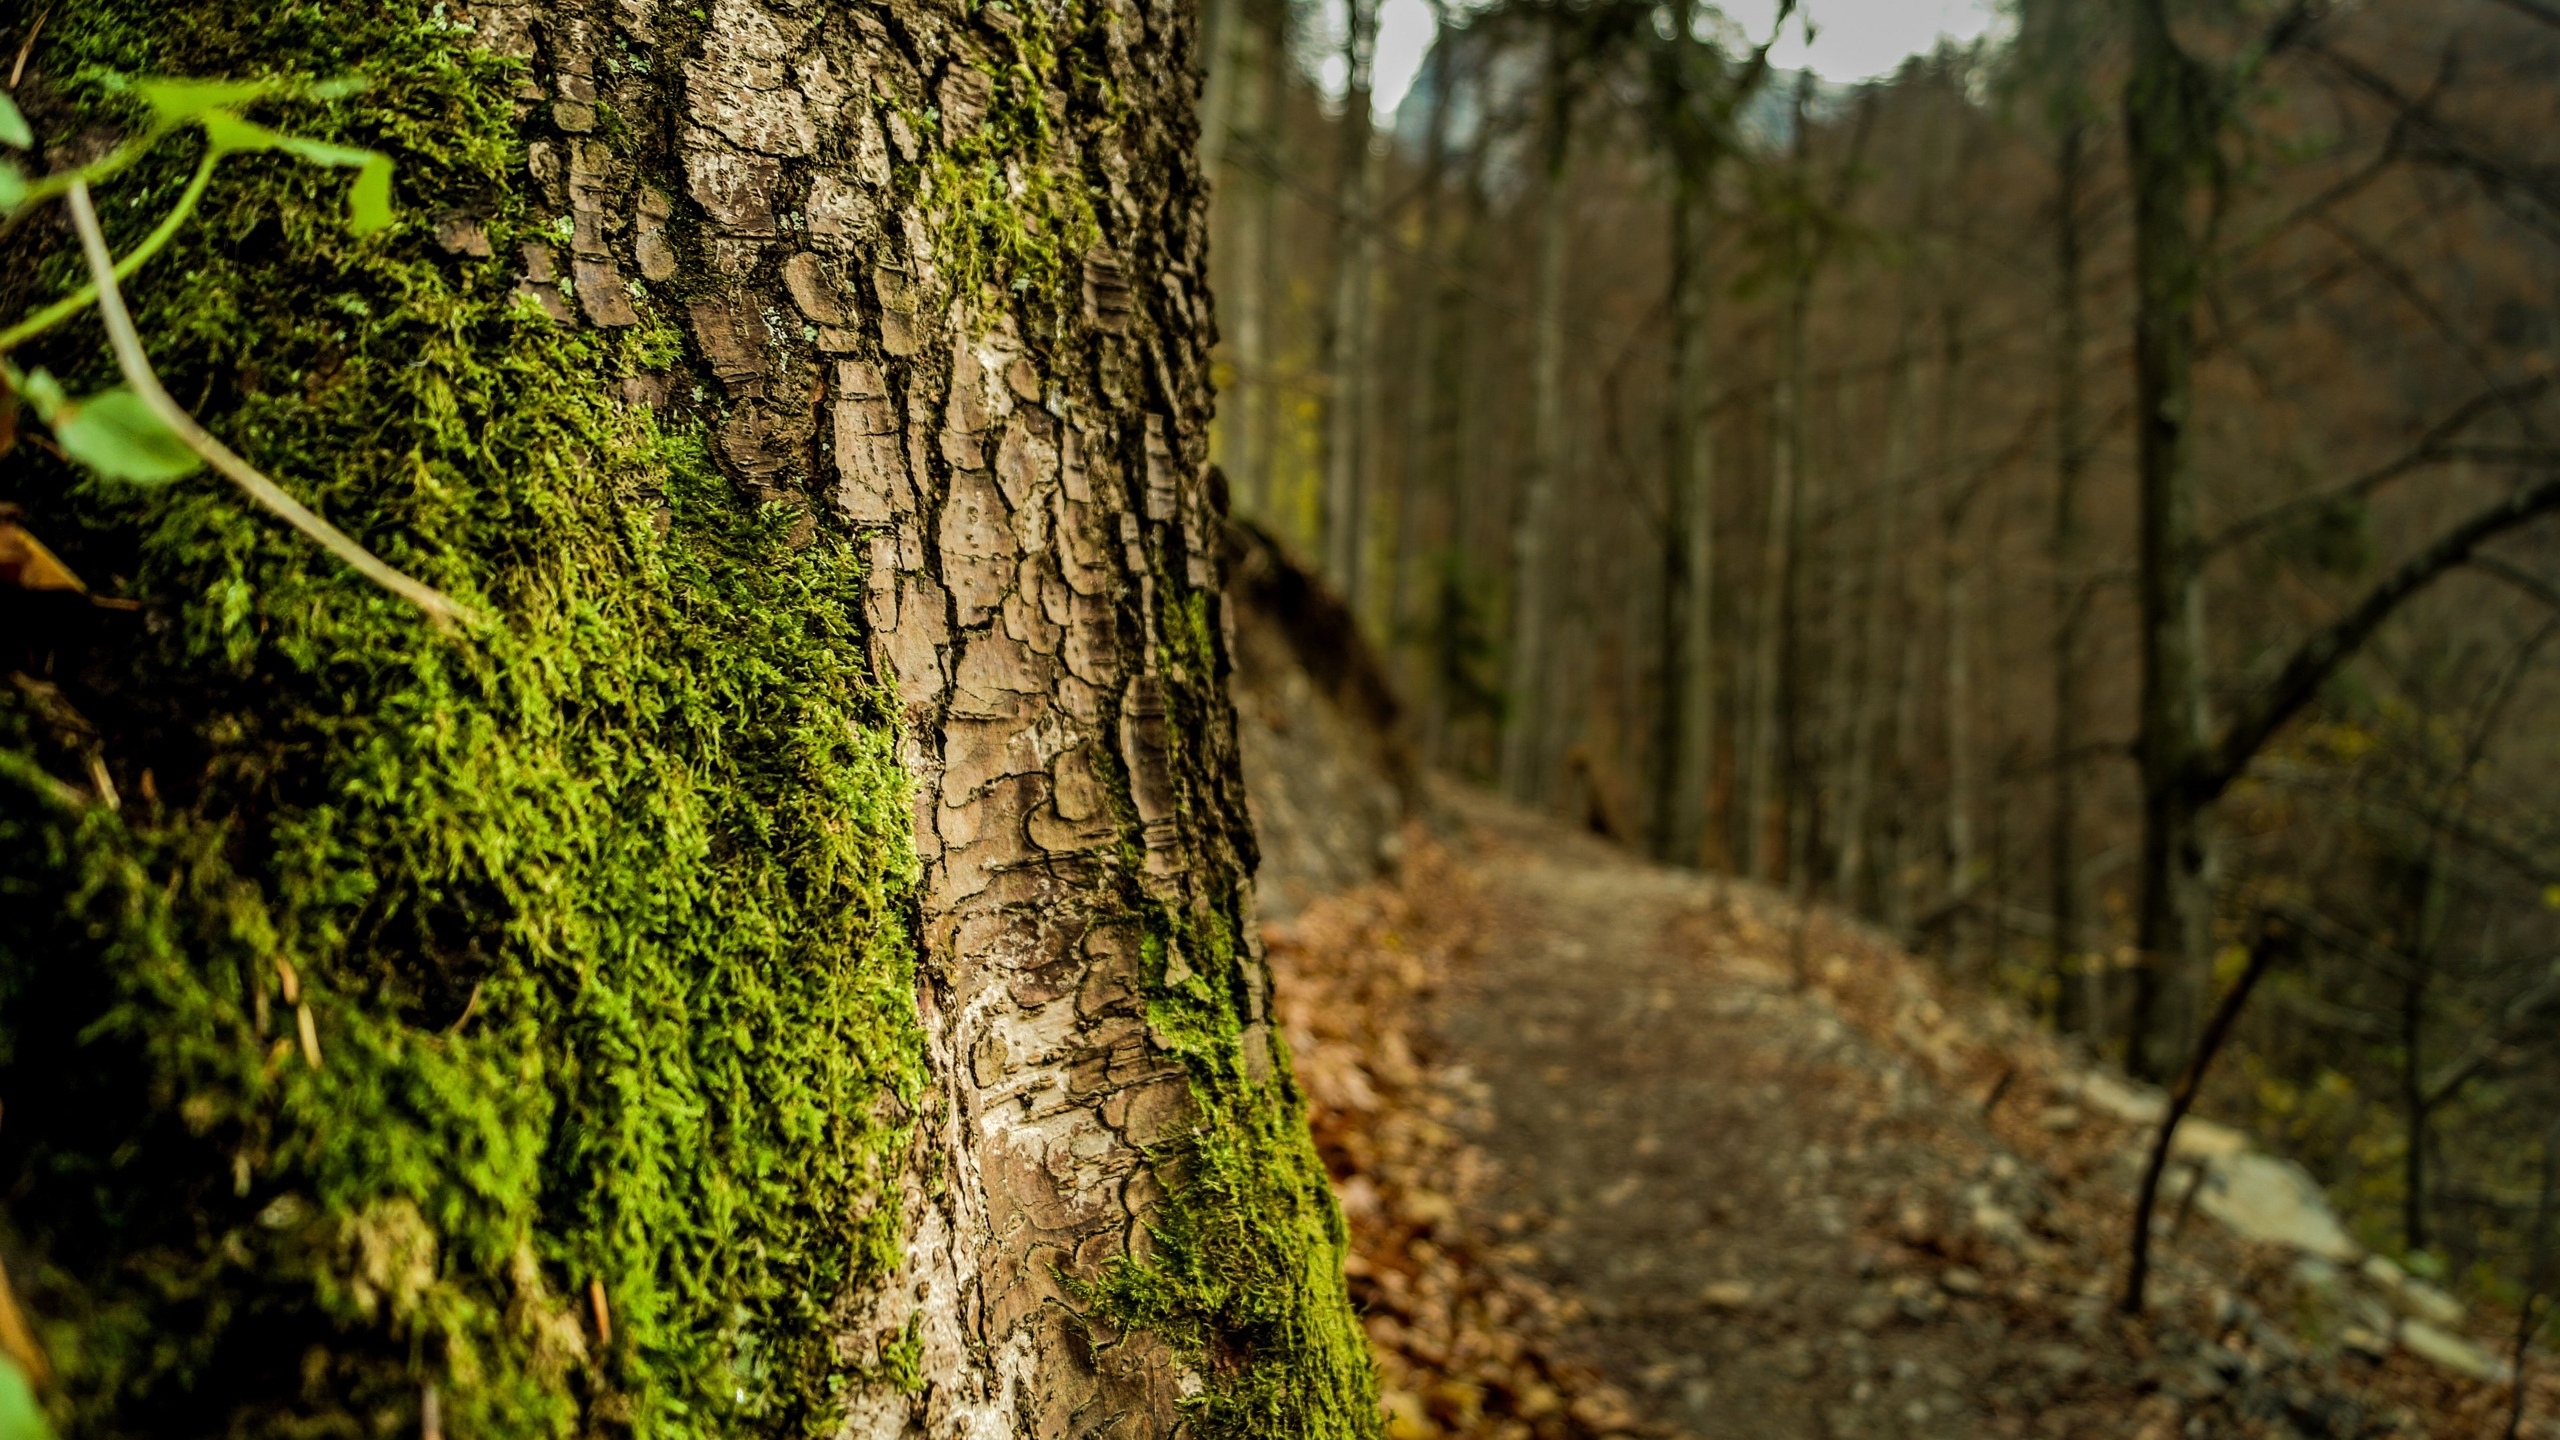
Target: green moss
column 1247, row 1271
column 600, row 914
column 1013, row 215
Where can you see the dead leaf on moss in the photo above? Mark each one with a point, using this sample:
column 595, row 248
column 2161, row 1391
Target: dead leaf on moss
column 26, row 565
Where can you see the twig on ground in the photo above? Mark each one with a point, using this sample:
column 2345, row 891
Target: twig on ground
column 26, row 47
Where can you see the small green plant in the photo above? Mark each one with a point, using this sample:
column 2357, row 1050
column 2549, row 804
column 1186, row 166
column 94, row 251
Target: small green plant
column 134, row 432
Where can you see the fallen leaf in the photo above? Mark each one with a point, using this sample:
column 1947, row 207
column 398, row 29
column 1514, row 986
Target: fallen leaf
column 27, row 565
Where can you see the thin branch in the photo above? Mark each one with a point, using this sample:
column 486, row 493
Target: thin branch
column 2339, row 937
column 2502, row 179
column 136, row 367
column 2521, row 578
column 2397, row 276
column 2434, row 447
column 2320, row 656
column 2138, row 1266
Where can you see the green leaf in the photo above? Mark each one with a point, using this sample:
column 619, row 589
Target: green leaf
column 231, row 135
column 321, row 152
column 115, row 434
column 175, row 102
column 21, row 1418
column 13, row 186
column 44, row 392
column 13, row 126
column 369, row 199
column 368, row 202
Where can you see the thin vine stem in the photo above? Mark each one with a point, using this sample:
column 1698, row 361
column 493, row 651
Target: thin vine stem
column 136, row 367
column 152, row 244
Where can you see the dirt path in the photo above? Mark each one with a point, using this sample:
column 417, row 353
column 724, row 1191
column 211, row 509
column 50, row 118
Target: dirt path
column 1703, row 1157
column 1629, row 1151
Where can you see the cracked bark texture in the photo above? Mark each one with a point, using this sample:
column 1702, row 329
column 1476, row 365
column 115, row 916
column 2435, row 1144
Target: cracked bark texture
column 1027, row 467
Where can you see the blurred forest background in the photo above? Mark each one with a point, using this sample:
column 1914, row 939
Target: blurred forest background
column 2072, row 502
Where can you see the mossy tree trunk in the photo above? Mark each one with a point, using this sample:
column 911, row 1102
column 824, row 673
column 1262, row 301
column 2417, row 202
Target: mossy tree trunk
column 791, row 971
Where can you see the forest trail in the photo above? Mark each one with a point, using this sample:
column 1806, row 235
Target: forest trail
column 1611, row 1169
column 1687, row 1147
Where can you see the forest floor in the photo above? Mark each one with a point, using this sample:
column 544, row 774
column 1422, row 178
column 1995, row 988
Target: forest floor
column 1633, row 1151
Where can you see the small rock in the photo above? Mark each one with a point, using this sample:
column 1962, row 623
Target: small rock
column 1728, row 1295
column 1961, row 1280
column 1796, row 1360
column 1604, row 1409
column 2412, row 1295
column 2064, row 1361
column 1925, row 1306
column 1870, row 1312
column 2202, row 1139
column 2060, row 1119
column 1998, row 1223
column 2451, row 1351
column 2138, row 1103
column 2260, row 1197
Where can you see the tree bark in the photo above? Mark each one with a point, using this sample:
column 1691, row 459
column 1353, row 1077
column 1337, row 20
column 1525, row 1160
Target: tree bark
column 1524, row 738
column 1250, row 270
column 2168, row 135
column 971, row 524
column 2070, row 464
column 1765, row 796
column 1685, row 739
column 1960, row 613
column 1222, row 71
column 1347, row 377
column 1419, row 474
column 1456, row 440
column 1882, row 681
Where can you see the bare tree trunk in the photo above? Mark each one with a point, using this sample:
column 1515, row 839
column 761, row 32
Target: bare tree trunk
column 1844, row 627
column 2167, row 137
column 1523, row 740
column 818, row 990
column 1452, row 431
column 2413, row 1101
column 1686, row 739
column 2070, row 464
column 1902, row 871
column 1764, row 805
column 1418, row 472
column 1764, row 817
column 1884, row 682
column 1251, row 274
column 1960, row 607
column 1346, row 434
column 1223, row 56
